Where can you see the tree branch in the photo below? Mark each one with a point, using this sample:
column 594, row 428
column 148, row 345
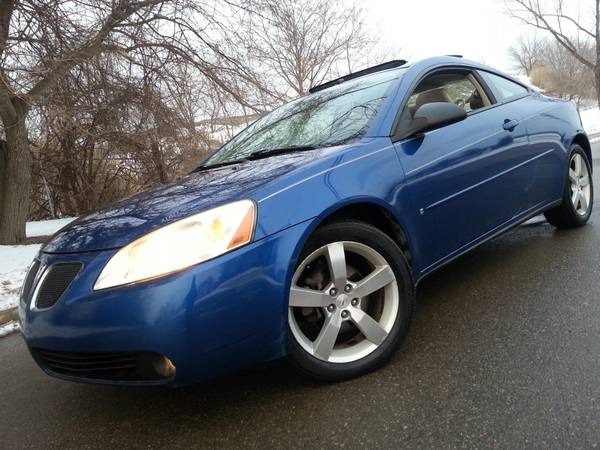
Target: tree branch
column 91, row 48
column 540, row 21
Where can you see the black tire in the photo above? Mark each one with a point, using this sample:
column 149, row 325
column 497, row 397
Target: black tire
column 386, row 247
column 564, row 215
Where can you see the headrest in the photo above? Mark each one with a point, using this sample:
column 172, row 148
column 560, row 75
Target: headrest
column 433, row 96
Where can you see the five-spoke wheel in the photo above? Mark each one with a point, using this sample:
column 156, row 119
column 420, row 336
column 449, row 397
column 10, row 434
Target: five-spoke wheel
column 351, row 309
column 578, row 195
column 349, row 297
column 579, row 177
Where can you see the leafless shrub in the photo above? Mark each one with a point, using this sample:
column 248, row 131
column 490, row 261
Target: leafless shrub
column 553, row 68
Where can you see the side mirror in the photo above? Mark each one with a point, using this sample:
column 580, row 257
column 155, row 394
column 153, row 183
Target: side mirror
column 435, row 115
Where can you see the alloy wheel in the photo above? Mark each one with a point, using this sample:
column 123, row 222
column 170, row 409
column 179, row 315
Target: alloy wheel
column 580, row 184
column 343, row 302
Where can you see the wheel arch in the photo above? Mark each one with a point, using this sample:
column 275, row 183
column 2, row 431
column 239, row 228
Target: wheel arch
column 582, row 140
column 374, row 213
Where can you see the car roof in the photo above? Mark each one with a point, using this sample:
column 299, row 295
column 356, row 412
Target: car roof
column 423, row 64
column 457, row 61
column 361, row 73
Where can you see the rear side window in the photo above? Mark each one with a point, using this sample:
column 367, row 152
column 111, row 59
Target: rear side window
column 502, row 88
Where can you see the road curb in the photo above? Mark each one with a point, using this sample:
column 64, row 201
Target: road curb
column 8, row 314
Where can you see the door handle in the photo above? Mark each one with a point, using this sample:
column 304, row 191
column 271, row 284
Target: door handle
column 509, row 124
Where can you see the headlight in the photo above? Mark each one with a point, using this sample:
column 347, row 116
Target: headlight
column 181, row 244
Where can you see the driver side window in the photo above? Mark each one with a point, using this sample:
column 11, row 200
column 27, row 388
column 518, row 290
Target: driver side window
column 461, row 89
column 453, row 86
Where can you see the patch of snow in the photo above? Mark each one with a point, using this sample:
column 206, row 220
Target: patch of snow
column 14, row 262
column 8, row 328
column 46, row 227
column 591, row 120
column 16, row 259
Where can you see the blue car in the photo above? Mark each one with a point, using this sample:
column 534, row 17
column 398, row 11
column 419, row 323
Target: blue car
column 306, row 235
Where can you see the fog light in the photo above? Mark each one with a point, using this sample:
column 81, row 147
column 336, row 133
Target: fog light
column 164, row 367
column 153, row 366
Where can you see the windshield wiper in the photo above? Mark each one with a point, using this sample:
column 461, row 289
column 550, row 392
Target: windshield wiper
column 265, row 153
column 259, row 154
column 202, row 167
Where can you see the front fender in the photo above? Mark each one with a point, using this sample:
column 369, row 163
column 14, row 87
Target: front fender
column 368, row 174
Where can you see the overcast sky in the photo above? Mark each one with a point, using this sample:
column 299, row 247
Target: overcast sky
column 477, row 29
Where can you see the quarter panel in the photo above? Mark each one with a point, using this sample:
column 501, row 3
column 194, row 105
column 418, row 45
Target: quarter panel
column 550, row 128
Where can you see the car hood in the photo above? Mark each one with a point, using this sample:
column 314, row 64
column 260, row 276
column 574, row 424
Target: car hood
column 129, row 219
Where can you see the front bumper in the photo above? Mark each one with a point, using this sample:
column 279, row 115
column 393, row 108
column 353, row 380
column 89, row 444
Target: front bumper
column 213, row 318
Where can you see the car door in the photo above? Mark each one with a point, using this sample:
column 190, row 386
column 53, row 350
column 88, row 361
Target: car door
column 545, row 158
column 463, row 179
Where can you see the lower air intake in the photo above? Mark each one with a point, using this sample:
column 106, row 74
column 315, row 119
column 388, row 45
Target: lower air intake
column 111, row 367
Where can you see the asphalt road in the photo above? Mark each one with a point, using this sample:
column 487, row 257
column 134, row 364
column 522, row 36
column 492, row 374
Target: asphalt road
column 504, row 353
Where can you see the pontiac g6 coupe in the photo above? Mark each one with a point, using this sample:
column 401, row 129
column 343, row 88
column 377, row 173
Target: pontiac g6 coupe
column 306, row 234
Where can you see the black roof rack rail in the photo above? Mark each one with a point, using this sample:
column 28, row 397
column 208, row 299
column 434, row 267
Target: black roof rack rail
column 360, row 73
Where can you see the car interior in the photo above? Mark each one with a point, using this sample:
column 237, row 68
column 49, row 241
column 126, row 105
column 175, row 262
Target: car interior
column 458, row 88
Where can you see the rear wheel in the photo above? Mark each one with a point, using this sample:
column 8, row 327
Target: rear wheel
column 351, row 302
column 578, row 197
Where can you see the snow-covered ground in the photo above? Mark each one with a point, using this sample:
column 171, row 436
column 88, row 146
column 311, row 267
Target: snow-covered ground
column 591, row 120
column 8, row 328
column 46, row 227
column 15, row 260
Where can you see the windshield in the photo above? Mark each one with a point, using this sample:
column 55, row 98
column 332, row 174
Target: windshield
column 330, row 117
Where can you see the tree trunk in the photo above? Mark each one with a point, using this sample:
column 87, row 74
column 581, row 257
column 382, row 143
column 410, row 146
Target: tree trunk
column 597, row 80
column 597, row 73
column 15, row 182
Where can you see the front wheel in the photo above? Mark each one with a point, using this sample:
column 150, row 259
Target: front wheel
column 578, row 196
column 351, row 302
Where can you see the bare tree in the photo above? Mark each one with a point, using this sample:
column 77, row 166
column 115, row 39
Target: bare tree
column 101, row 98
column 41, row 42
column 526, row 53
column 105, row 133
column 553, row 68
column 562, row 75
column 302, row 42
column 566, row 27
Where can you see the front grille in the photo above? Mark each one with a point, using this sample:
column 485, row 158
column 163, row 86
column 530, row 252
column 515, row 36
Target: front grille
column 121, row 366
column 28, row 284
column 55, row 282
